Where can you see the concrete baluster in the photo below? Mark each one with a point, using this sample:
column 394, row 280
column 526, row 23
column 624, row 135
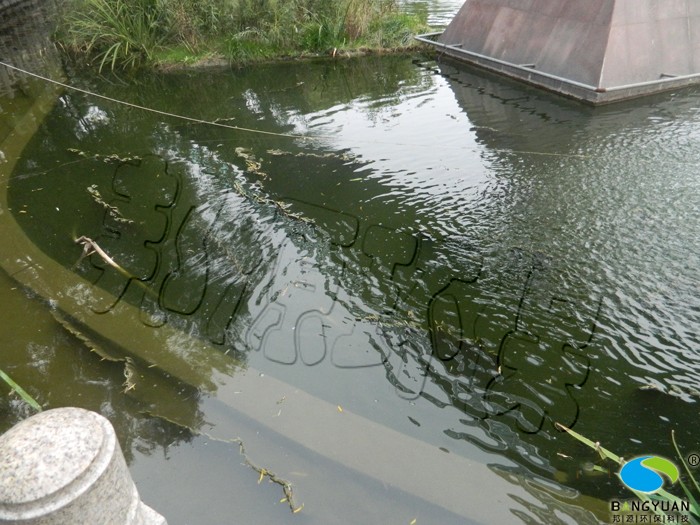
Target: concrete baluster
column 65, row 466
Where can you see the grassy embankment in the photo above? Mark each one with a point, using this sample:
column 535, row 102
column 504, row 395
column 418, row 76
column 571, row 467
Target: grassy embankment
column 128, row 33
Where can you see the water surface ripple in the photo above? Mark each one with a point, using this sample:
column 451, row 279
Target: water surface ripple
column 481, row 256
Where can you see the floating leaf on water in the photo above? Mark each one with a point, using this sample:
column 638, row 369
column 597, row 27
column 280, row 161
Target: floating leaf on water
column 604, row 453
column 108, row 159
column 20, row 391
column 229, row 119
column 112, row 210
column 129, row 375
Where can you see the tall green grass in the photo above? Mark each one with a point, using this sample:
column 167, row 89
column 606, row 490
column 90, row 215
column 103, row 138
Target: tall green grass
column 124, row 34
column 115, row 32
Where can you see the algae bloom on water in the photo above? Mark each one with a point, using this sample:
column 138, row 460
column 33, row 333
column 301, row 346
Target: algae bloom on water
column 121, row 34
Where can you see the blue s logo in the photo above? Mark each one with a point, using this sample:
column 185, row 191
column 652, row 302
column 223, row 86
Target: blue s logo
column 643, row 474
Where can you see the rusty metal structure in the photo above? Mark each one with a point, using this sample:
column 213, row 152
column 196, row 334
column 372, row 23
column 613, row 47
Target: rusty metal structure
column 597, row 51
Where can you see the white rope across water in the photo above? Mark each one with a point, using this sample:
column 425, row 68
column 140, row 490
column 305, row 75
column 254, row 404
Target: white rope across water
column 151, row 110
column 250, row 130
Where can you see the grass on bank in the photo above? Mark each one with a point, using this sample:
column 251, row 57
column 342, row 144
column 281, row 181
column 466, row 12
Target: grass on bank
column 130, row 33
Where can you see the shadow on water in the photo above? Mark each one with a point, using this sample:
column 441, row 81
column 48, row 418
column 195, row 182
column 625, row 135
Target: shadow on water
column 463, row 260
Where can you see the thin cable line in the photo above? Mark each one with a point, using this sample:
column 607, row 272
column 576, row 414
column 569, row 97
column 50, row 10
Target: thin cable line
column 157, row 111
column 258, row 131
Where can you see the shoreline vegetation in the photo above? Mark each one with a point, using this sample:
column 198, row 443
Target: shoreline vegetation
column 170, row 34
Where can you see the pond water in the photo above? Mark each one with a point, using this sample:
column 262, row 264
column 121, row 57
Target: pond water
column 457, row 260
column 439, row 12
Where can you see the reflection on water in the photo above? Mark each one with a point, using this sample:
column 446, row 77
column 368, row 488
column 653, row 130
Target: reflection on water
column 25, row 26
column 503, row 260
column 440, row 12
column 462, row 259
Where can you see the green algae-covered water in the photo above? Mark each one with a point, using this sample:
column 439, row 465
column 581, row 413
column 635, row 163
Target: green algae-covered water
column 449, row 261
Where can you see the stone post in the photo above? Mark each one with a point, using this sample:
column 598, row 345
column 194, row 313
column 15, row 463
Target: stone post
column 65, row 466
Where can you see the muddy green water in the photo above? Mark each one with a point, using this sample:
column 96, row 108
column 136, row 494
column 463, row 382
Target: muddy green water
column 439, row 12
column 458, row 258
